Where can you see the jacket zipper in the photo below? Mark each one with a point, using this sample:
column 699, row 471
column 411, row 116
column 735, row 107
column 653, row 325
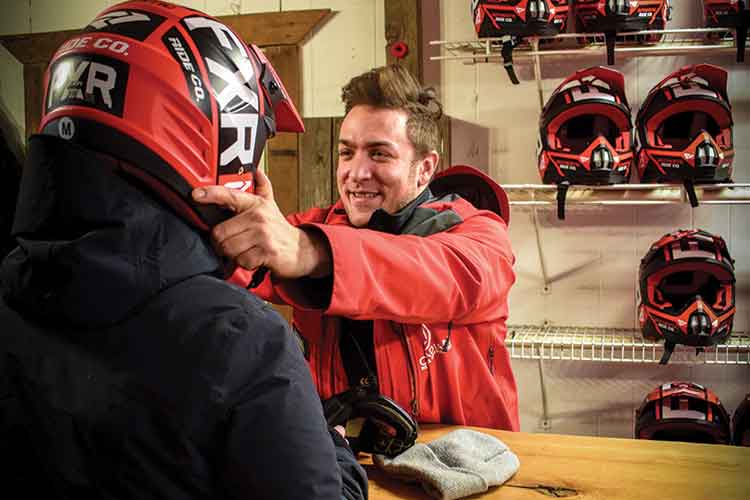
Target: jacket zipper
column 491, row 360
column 412, row 374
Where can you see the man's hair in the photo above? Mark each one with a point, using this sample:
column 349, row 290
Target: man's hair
column 393, row 87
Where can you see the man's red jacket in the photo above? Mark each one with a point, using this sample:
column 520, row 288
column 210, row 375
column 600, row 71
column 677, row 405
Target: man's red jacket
column 438, row 298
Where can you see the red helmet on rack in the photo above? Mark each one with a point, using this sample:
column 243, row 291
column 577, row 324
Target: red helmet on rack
column 726, row 13
column 175, row 94
column 585, row 132
column 687, row 290
column 683, row 411
column 741, row 423
column 598, row 16
column 495, row 18
column 685, row 128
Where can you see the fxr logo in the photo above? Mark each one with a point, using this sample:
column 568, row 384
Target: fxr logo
column 237, row 101
column 67, row 81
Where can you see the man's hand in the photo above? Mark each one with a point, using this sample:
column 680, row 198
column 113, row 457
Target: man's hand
column 260, row 235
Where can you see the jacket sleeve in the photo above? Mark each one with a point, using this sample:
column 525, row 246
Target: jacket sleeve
column 277, row 442
column 462, row 275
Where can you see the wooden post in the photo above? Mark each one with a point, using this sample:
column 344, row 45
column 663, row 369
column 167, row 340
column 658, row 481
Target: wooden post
column 402, row 25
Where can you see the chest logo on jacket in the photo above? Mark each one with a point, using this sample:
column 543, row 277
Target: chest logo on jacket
column 431, row 348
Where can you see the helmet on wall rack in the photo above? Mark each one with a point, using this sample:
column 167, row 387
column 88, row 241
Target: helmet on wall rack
column 514, row 19
column 687, row 290
column 729, row 14
column 685, row 129
column 613, row 16
column 585, row 132
column 682, row 411
column 741, row 423
column 176, row 95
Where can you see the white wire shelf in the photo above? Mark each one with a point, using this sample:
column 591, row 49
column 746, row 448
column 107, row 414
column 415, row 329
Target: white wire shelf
column 616, row 345
column 673, row 42
column 627, row 194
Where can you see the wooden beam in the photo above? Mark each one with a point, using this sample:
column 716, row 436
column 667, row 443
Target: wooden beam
column 315, row 163
column 291, row 27
column 265, row 29
column 402, row 25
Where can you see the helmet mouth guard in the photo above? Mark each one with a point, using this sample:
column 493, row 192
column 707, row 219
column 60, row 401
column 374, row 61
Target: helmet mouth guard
column 687, row 290
column 685, row 129
column 683, row 411
column 586, row 132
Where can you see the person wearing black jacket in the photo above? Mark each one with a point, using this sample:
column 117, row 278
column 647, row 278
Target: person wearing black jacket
column 129, row 367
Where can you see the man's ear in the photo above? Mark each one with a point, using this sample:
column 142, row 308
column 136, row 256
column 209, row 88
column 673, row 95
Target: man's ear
column 427, row 168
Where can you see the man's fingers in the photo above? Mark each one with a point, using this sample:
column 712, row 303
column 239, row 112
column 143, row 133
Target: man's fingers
column 263, row 187
column 232, row 199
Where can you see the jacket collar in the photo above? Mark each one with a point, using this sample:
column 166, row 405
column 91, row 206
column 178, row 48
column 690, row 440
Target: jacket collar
column 93, row 245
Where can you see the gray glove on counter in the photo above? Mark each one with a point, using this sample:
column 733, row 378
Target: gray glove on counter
column 463, row 462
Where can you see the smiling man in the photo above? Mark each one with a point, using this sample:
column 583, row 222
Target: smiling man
column 397, row 289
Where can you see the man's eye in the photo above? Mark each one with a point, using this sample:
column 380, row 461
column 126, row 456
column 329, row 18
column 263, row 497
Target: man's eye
column 380, row 155
column 345, row 153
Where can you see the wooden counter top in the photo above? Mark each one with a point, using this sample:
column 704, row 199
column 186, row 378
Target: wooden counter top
column 599, row 468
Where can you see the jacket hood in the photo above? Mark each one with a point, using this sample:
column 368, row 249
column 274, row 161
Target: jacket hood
column 474, row 186
column 92, row 244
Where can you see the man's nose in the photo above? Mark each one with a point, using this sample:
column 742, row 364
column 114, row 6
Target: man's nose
column 360, row 168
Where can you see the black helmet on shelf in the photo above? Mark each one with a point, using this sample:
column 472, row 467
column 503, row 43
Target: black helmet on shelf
column 741, row 423
column 514, row 19
column 615, row 16
column 682, row 411
column 685, row 129
column 585, row 132
column 729, row 14
column 687, row 290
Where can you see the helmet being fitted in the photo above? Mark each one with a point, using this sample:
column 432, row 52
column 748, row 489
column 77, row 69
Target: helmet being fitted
column 613, row 16
column 730, row 14
column 687, row 290
column 174, row 94
column 585, row 132
column 683, row 411
column 513, row 19
column 685, row 129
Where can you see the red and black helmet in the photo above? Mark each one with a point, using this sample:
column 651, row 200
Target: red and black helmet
column 614, row 16
column 495, row 18
column 729, row 14
column 687, row 290
column 683, row 411
column 601, row 16
column 513, row 19
column 585, row 131
column 174, row 94
column 741, row 423
column 685, row 128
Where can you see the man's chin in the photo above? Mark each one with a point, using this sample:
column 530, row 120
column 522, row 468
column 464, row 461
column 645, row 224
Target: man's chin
column 359, row 219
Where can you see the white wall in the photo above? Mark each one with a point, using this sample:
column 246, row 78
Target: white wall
column 592, row 257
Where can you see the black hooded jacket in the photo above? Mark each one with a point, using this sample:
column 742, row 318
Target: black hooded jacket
column 130, row 369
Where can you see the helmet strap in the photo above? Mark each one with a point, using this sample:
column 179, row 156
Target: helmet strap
column 562, row 193
column 690, row 190
column 741, row 42
column 609, row 39
column 507, row 53
column 668, row 350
